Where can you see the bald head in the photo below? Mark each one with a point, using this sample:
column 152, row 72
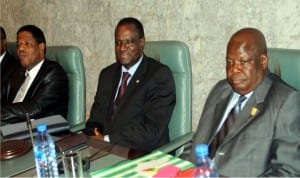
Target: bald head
column 252, row 38
column 246, row 60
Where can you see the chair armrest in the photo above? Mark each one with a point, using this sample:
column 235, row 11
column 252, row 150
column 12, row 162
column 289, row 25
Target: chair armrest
column 176, row 143
column 78, row 127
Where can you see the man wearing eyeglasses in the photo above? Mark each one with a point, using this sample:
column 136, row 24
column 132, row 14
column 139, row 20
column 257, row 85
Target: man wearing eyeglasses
column 135, row 95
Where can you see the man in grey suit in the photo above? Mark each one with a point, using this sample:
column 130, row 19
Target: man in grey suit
column 264, row 139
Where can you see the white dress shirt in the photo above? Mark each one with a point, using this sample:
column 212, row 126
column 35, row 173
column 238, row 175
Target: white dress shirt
column 2, row 56
column 32, row 73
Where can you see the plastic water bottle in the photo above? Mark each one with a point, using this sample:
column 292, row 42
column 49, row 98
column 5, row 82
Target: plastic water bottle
column 45, row 154
column 204, row 166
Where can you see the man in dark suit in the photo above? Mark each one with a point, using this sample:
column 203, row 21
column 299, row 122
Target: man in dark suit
column 8, row 62
column 40, row 87
column 264, row 139
column 139, row 120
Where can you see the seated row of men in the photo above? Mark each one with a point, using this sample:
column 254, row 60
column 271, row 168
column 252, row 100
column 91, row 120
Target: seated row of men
column 250, row 120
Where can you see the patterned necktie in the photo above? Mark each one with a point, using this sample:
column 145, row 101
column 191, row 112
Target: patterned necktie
column 238, row 106
column 22, row 91
column 122, row 87
column 217, row 141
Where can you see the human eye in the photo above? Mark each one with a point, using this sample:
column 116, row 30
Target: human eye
column 18, row 44
column 22, row 43
column 123, row 42
column 229, row 62
column 127, row 42
column 118, row 42
column 30, row 43
column 25, row 43
column 244, row 62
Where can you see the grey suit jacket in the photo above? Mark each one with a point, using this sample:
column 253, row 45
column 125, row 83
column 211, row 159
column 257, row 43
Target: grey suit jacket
column 265, row 138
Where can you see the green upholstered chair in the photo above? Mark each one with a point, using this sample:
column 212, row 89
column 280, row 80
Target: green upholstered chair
column 286, row 64
column 175, row 54
column 70, row 58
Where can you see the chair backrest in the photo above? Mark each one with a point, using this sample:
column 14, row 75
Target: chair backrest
column 175, row 54
column 70, row 58
column 286, row 64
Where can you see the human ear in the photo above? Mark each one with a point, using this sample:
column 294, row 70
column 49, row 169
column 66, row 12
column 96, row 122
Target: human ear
column 263, row 59
column 142, row 43
column 42, row 47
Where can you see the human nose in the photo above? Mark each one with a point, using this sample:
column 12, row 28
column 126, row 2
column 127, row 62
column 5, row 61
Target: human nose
column 20, row 46
column 234, row 65
column 123, row 46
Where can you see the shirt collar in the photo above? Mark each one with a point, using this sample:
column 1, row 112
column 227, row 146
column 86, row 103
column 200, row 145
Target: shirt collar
column 133, row 68
column 2, row 56
column 236, row 95
column 235, row 98
column 33, row 72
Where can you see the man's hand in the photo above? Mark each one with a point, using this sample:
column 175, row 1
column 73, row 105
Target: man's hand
column 98, row 135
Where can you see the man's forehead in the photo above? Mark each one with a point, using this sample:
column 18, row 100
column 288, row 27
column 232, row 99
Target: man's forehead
column 25, row 35
column 126, row 35
column 26, row 38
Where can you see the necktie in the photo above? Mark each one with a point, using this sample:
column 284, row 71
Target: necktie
column 238, row 106
column 23, row 89
column 122, row 87
column 217, row 141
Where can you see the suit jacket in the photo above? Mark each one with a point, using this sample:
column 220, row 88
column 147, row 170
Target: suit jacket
column 141, row 120
column 265, row 138
column 47, row 95
column 8, row 64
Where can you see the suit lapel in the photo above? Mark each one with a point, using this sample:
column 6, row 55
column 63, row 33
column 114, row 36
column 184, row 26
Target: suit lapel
column 135, row 81
column 252, row 109
column 219, row 112
column 37, row 80
column 4, row 62
column 15, row 83
column 113, row 89
column 115, row 81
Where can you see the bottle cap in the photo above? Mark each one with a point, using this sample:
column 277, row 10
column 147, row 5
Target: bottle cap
column 201, row 150
column 42, row 127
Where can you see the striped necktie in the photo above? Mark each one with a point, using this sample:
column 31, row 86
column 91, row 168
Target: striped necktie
column 238, row 106
column 217, row 141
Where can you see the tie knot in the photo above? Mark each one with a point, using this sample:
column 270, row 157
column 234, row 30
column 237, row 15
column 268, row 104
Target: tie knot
column 242, row 98
column 125, row 76
column 26, row 73
column 238, row 106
